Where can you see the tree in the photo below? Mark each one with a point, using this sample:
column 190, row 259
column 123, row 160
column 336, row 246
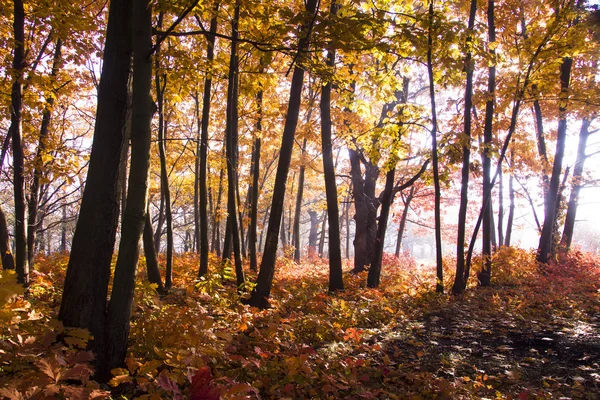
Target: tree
column 18, row 64
column 83, row 303
column 264, row 282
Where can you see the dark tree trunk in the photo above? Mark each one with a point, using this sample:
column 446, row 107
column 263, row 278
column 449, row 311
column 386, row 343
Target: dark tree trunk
column 347, row 218
column 500, row 210
column 299, row 194
column 262, row 291
column 403, row 217
column 386, row 202
column 541, row 142
column 8, row 262
column 63, row 230
column 203, row 147
column 336, row 281
column 161, row 84
column 460, row 281
column 365, row 205
column 439, row 287
column 152, row 270
column 216, row 242
column 545, row 245
column 511, row 211
column 313, row 233
column 161, row 220
column 254, row 193
column 488, row 216
column 567, row 235
column 231, row 152
column 119, row 306
column 84, row 298
column 323, row 233
column 282, row 235
column 21, row 265
column 34, row 192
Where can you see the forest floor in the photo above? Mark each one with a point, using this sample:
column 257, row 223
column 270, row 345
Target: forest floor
column 531, row 335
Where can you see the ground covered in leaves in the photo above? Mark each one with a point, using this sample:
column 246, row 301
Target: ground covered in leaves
column 535, row 334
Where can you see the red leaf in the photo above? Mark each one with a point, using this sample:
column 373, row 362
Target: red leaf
column 201, row 388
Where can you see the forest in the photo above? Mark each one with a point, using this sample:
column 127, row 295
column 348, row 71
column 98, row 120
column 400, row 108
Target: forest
column 241, row 199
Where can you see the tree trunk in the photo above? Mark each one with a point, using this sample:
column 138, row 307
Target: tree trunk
column 161, row 84
column 567, row 236
column 460, row 281
column 161, row 220
column 488, row 217
column 439, row 287
column 545, row 245
column 323, row 230
column 500, row 210
column 86, row 284
column 262, row 291
column 18, row 64
column 386, row 202
column 336, row 281
column 119, row 306
column 511, row 211
column 255, row 177
column 151, row 261
column 403, row 218
column 8, row 262
column 231, row 138
column 297, row 213
column 34, row 192
column 216, row 242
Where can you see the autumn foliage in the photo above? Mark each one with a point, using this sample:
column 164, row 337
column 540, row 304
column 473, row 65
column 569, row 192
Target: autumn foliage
column 199, row 342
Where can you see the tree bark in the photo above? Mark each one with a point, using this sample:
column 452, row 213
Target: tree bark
column 119, row 306
column 386, row 201
column 439, row 287
column 231, row 152
column 488, row 217
column 8, row 262
column 151, row 261
column 336, row 281
column 500, row 210
column 323, row 232
column 299, row 194
column 545, row 244
column 460, row 281
column 18, row 64
column 84, row 298
column 255, row 178
column 161, row 84
column 511, row 211
column 567, row 236
column 403, row 218
column 262, row 291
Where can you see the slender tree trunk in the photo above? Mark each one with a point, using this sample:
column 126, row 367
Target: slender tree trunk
column 161, row 84
column 299, row 194
column 63, row 229
column 203, row 240
column 488, row 217
column 460, row 281
column 347, row 216
column 403, row 217
column 161, row 220
column 231, row 152
column 216, row 242
column 313, row 233
column 18, row 64
column 84, row 298
column 500, row 210
column 545, row 245
column 152, row 270
column 34, row 192
column 567, row 236
column 255, row 177
column 439, row 287
column 323, row 233
column 119, row 306
column 262, row 291
column 336, row 281
column 8, row 262
column 511, row 211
